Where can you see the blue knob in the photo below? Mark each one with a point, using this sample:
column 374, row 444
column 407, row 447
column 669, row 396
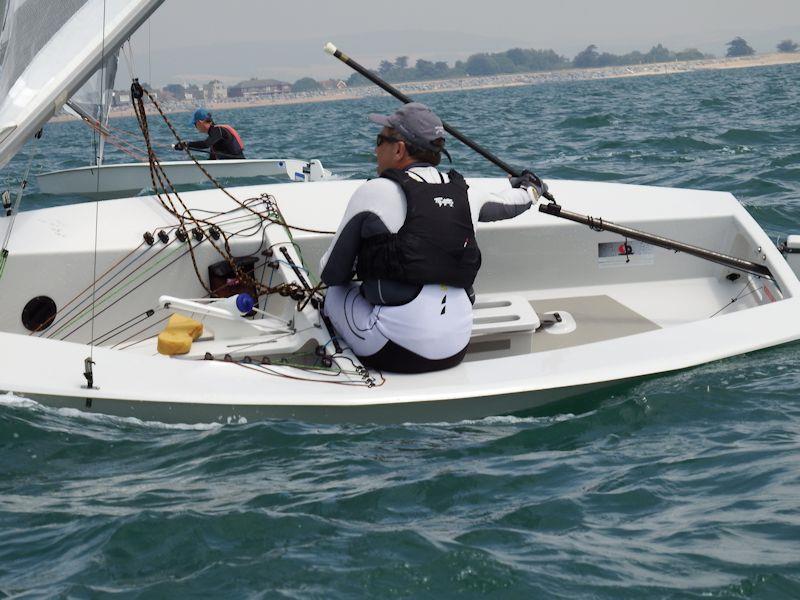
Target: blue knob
column 245, row 303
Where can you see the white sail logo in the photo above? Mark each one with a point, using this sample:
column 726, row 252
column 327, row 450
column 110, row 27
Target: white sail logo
column 443, row 201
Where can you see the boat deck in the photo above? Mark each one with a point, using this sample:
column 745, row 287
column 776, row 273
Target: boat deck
column 584, row 320
column 597, row 318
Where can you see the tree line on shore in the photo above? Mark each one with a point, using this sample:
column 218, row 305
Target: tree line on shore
column 520, row 60
column 740, row 47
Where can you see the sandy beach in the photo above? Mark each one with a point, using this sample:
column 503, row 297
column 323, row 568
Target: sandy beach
column 488, row 82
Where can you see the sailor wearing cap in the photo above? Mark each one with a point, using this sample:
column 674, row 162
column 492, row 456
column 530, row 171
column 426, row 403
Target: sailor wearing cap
column 409, row 237
column 222, row 141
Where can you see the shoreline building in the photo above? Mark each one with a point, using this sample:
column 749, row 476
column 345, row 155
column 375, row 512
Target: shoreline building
column 253, row 88
column 192, row 92
column 333, row 84
column 176, row 91
column 215, row 90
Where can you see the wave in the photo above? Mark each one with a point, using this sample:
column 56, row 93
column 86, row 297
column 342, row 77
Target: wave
column 715, row 103
column 588, row 174
column 787, row 160
column 19, row 402
column 678, row 143
column 750, row 136
column 588, row 122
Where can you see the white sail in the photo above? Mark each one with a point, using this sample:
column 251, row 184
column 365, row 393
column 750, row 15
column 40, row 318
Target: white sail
column 49, row 49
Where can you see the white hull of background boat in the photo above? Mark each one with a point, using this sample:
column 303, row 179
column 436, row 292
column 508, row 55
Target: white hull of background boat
column 624, row 316
column 128, row 179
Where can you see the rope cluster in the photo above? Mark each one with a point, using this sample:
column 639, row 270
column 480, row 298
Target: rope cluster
column 189, row 223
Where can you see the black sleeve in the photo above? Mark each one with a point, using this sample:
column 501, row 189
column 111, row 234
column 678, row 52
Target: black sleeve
column 497, row 211
column 214, row 136
column 341, row 258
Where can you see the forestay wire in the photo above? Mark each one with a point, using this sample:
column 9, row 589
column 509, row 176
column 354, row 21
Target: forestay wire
column 89, row 362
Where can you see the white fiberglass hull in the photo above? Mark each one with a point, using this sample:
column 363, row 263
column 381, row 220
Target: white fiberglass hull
column 631, row 316
column 128, row 179
column 174, row 390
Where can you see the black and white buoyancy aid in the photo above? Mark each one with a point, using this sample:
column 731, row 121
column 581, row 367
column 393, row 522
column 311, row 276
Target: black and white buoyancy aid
column 436, row 243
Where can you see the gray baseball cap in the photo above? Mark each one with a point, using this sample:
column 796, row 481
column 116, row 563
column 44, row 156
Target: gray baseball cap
column 416, row 123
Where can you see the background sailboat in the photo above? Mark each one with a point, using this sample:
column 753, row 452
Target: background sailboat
column 66, row 53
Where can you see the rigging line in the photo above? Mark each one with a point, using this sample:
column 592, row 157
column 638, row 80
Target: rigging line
column 364, row 371
column 149, row 52
column 269, row 284
column 313, row 369
column 157, row 171
column 112, row 333
column 114, row 289
column 311, row 275
column 95, row 133
column 278, row 334
column 97, row 203
column 121, row 144
column 738, row 297
column 118, row 288
column 264, row 370
column 232, row 218
column 249, row 227
column 133, row 135
column 63, row 315
column 109, row 296
column 129, row 58
column 137, row 334
column 123, row 51
column 134, row 154
column 218, row 214
column 15, row 209
column 208, row 175
column 109, row 129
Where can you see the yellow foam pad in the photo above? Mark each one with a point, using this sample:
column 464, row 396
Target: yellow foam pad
column 180, row 323
column 178, row 335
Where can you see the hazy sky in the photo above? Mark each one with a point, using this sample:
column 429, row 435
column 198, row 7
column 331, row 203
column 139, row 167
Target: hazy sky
column 196, row 40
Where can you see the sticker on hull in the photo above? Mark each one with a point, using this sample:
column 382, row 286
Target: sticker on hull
column 624, row 252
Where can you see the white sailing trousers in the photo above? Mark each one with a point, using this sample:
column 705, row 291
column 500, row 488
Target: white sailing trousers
column 437, row 324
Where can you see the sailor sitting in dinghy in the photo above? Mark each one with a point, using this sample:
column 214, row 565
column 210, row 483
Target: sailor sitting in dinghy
column 409, row 235
column 223, row 141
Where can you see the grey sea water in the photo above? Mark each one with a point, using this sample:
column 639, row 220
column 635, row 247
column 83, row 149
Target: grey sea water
column 683, row 486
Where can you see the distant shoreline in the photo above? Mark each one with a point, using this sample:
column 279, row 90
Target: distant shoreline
column 486, row 82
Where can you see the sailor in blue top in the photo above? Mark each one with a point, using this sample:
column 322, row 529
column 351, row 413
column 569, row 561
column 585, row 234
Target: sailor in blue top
column 223, row 142
column 408, row 236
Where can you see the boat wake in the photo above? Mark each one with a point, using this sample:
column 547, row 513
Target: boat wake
column 13, row 401
column 500, row 420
